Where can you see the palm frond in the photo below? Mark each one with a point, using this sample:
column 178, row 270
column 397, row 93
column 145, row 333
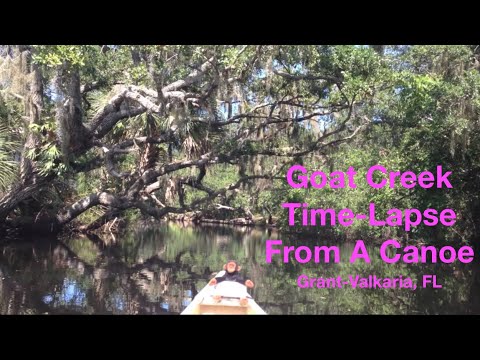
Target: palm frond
column 8, row 167
column 99, row 99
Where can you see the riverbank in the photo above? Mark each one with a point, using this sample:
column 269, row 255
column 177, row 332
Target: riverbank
column 195, row 218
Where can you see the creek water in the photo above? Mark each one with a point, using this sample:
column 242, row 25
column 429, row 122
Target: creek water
column 159, row 269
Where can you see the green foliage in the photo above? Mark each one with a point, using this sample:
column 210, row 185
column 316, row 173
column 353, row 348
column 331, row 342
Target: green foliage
column 54, row 55
column 8, row 167
column 48, row 153
column 418, row 107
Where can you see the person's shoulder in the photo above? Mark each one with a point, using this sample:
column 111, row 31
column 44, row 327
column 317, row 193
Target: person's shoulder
column 221, row 274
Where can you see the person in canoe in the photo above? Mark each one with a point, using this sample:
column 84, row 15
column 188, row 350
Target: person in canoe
column 232, row 273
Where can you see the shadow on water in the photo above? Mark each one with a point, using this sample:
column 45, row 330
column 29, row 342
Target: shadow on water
column 158, row 270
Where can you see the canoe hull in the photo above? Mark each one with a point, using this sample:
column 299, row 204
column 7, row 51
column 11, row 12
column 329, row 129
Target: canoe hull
column 231, row 292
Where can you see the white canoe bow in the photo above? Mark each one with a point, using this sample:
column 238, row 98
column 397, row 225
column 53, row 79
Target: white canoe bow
column 231, row 293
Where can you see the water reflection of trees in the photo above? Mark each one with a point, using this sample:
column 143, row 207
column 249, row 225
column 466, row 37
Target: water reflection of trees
column 55, row 279
column 157, row 270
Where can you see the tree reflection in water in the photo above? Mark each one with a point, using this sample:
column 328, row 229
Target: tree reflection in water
column 158, row 270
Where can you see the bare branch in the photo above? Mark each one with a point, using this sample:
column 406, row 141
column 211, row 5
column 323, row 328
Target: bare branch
column 102, row 198
column 112, row 106
column 143, row 101
column 151, row 175
column 193, row 77
column 102, row 220
column 113, row 118
column 307, row 77
column 159, row 213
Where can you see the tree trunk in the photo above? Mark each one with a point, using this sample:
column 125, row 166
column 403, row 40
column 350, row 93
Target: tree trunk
column 72, row 134
column 11, row 200
column 33, row 108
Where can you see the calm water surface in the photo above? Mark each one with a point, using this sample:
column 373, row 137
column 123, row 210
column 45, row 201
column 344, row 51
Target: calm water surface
column 157, row 270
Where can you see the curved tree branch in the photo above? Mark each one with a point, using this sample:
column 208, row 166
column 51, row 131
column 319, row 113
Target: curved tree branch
column 193, row 77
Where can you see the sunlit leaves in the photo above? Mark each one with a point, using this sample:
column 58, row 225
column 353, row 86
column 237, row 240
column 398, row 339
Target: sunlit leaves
column 8, row 167
column 54, row 55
